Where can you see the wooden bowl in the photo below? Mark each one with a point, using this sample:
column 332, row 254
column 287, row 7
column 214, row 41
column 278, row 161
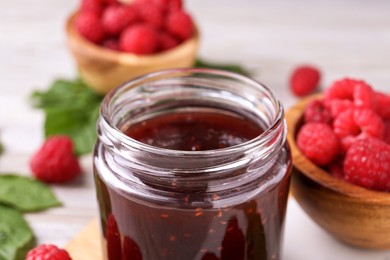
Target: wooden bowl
column 103, row 69
column 350, row 213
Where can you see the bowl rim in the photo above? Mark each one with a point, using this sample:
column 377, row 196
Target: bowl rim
column 318, row 175
column 123, row 57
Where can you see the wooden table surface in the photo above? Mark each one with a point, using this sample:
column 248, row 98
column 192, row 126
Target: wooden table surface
column 343, row 38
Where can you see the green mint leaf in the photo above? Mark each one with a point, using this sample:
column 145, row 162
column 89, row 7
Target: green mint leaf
column 16, row 237
column 25, row 194
column 72, row 109
column 200, row 63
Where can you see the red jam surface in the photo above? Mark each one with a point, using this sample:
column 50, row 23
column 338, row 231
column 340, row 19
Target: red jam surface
column 141, row 229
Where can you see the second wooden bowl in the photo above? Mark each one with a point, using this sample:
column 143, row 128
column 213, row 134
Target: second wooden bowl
column 350, row 213
column 103, row 69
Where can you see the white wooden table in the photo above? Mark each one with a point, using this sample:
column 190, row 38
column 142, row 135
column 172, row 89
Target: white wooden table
column 344, row 38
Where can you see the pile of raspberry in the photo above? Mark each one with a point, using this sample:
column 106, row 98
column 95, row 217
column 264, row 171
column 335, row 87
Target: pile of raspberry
column 141, row 27
column 347, row 132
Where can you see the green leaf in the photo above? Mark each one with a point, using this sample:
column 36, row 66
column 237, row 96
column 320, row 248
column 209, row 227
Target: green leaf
column 71, row 109
column 26, row 194
column 16, row 237
column 200, row 63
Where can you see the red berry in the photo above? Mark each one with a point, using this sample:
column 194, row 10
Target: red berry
column 111, row 44
column 316, row 112
column 336, row 169
column 168, row 5
column 357, row 91
column 94, row 6
column 304, row 80
column 337, row 106
column 383, row 105
column 111, row 2
column 114, row 247
column 150, row 14
column 354, row 124
column 180, row 25
column 55, row 162
column 139, row 39
column 387, row 131
column 118, row 17
column 48, row 252
column 318, row 143
column 167, row 42
column 367, row 163
column 89, row 26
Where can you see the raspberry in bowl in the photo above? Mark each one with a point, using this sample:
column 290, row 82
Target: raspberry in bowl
column 341, row 156
column 113, row 41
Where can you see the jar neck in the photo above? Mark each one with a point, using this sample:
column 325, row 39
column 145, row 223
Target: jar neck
column 192, row 89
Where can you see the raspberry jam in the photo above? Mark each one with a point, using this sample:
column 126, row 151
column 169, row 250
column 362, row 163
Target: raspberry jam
column 190, row 165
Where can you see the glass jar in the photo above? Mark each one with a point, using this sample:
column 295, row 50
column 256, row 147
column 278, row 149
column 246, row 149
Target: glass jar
column 158, row 203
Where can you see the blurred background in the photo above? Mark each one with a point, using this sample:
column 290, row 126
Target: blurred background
column 270, row 38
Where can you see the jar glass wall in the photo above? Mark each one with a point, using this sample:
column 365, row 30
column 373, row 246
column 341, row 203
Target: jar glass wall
column 181, row 196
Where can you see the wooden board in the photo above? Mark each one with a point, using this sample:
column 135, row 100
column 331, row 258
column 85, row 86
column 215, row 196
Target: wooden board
column 86, row 245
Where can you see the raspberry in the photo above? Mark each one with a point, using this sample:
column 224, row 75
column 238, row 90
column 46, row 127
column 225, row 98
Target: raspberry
column 118, row 17
column 318, row 143
column 367, row 163
column 139, row 39
column 359, row 92
column 383, row 105
column 151, row 14
column 89, row 26
column 169, row 4
column 387, row 132
column 180, row 25
column 94, row 6
column 337, row 106
column 49, row 252
column 111, row 44
column 354, row 124
column 114, row 247
column 304, row 80
column 55, row 162
column 316, row 112
column 336, row 169
column 167, row 42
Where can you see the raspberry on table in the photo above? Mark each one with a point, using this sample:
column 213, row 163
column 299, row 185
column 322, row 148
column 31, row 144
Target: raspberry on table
column 48, row 252
column 55, row 162
column 89, row 25
column 354, row 124
column 318, row 143
column 139, row 39
column 304, row 80
column 367, row 163
column 117, row 17
column 179, row 24
column 316, row 112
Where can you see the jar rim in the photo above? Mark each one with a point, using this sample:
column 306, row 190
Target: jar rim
column 254, row 142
